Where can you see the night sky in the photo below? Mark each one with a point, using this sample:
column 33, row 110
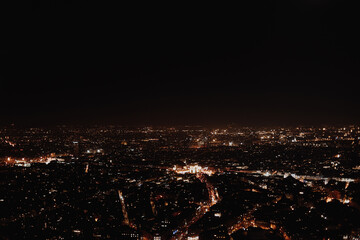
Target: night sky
column 264, row 63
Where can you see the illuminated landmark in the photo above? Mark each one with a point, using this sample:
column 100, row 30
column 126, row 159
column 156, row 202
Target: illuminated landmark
column 193, row 169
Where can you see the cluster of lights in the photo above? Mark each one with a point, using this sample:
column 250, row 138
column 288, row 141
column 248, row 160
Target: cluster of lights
column 193, row 169
column 23, row 162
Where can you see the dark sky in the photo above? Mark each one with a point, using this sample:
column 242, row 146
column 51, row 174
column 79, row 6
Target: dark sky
column 260, row 63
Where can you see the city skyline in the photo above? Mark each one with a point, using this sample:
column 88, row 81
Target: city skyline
column 180, row 183
column 180, row 121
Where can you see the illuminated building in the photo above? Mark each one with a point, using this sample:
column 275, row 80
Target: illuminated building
column 193, row 238
column 193, row 169
column 157, row 237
